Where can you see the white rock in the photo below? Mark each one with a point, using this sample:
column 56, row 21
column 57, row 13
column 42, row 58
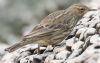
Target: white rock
column 81, row 32
column 93, row 22
column 31, row 58
column 98, row 28
column 9, row 58
column 93, row 59
column 95, row 39
column 20, row 53
column 87, row 15
column 56, row 61
column 49, row 58
column 84, row 32
column 27, row 47
column 70, row 41
column 77, row 45
column 59, row 49
column 62, row 55
column 84, row 29
column 23, row 54
column 90, row 51
column 42, row 48
column 98, row 25
column 98, row 61
column 49, row 48
column 89, row 31
column 83, row 22
column 2, row 49
column 75, row 53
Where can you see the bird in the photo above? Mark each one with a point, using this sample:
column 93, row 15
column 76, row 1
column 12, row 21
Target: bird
column 54, row 28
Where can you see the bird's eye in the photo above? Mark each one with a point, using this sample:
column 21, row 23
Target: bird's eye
column 82, row 8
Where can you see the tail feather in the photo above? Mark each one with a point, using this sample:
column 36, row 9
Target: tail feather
column 14, row 47
column 18, row 45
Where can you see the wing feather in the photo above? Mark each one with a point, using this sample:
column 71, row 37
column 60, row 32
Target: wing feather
column 45, row 28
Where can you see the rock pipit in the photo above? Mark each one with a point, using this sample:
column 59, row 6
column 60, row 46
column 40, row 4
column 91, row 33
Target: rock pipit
column 54, row 28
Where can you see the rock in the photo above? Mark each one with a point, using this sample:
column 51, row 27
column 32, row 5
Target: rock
column 89, row 32
column 77, row 45
column 70, row 41
column 98, row 25
column 59, row 49
column 98, row 28
column 31, row 59
column 82, row 46
column 95, row 39
column 56, row 61
column 9, row 57
column 83, row 33
column 93, row 59
column 75, row 53
column 2, row 47
column 94, row 20
column 14, row 56
column 62, row 55
column 49, row 58
column 49, row 49
column 27, row 48
column 90, row 51
column 80, row 33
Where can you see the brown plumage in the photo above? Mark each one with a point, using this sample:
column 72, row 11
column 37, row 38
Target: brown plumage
column 54, row 28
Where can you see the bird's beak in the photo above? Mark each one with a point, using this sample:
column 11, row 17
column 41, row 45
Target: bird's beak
column 92, row 9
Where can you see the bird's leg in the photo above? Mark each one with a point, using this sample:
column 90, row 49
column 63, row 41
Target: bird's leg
column 37, row 51
column 49, row 48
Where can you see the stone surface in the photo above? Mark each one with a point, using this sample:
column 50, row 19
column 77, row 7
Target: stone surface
column 83, row 47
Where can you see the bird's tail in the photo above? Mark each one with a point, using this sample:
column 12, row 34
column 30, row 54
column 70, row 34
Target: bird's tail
column 18, row 45
column 14, row 47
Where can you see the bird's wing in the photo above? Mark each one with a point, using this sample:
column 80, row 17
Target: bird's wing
column 51, row 18
column 48, row 20
column 42, row 31
column 48, row 26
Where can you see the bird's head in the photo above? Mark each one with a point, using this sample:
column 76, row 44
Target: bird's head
column 78, row 9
